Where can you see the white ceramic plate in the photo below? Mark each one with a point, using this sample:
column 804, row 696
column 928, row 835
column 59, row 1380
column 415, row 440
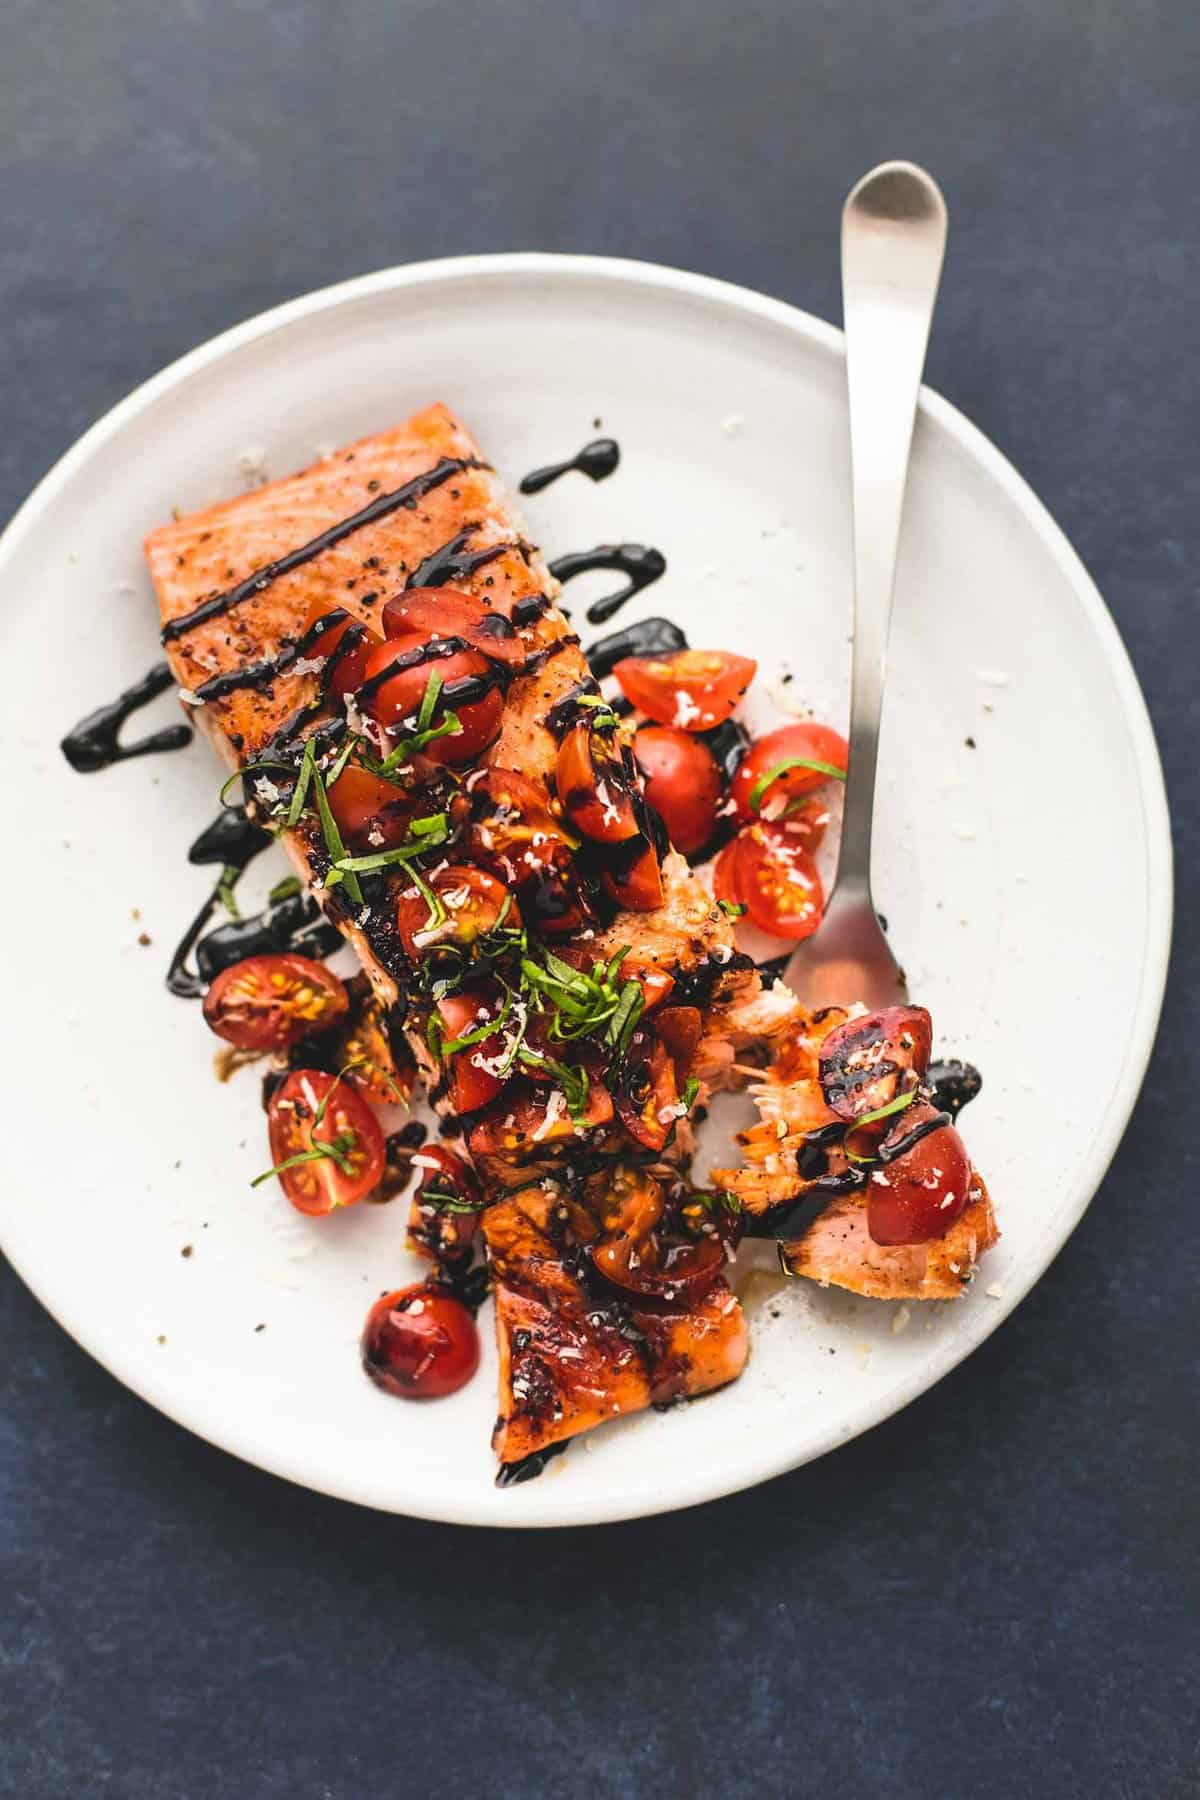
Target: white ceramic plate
column 1027, row 880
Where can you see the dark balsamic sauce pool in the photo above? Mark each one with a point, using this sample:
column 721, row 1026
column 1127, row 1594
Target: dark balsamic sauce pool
column 597, row 460
column 95, row 743
column 648, row 637
column 293, row 922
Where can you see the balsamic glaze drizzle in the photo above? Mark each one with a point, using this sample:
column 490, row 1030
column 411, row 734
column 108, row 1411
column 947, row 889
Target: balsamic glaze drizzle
column 729, row 743
column 955, row 1084
column 233, row 841
column 95, row 742
column 295, row 924
column 452, row 561
column 526, row 1468
column 261, row 674
column 640, row 563
column 378, row 508
column 596, row 460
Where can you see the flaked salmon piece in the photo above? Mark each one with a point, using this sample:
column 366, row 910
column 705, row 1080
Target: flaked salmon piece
column 687, row 931
column 571, row 1357
column 238, row 585
column 752, row 1023
column 836, row 1249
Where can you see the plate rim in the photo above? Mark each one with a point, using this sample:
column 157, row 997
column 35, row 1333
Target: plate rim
column 464, row 1509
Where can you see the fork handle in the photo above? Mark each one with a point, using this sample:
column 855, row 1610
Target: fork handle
column 893, row 242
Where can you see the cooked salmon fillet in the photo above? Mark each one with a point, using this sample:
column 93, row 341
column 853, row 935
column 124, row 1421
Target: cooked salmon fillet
column 837, row 1249
column 228, row 545
column 239, row 585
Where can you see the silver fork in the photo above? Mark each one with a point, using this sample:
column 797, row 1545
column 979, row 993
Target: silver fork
column 893, row 241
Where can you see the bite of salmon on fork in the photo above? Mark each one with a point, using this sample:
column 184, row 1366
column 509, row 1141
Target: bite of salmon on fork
column 375, row 646
column 855, row 1164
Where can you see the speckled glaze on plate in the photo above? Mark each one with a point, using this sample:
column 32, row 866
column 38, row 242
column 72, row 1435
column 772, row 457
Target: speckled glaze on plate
column 1012, row 705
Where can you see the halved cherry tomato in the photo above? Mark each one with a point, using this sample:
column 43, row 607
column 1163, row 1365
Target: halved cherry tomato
column 445, row 612
column 420, row 1343
column 868, row 1061
column 269, row 1002
column 296, row 1125
column 473, row 901
column 683, row 784
column 690, row 689
column 371, row 813
column 634, row 881
column 349, row 667
column 807, row 743
column 667, row 1270
column 513, row 828
column 530, row 1118
column 647, row 1097
column 594, row 785
column 471, row 1083
column 777, row 880
column 806, row 822
column 395, row 703
column 920, row 1194
column 633, row 1255
column 446, row 1206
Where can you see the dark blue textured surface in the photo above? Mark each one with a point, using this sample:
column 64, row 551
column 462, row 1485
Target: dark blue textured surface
column 993, row 1594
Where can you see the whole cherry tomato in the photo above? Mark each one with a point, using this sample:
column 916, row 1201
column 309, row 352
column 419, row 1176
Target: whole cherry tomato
column 395, row 702
column 420, row 1343
column 918, row 1195
column 683, row 784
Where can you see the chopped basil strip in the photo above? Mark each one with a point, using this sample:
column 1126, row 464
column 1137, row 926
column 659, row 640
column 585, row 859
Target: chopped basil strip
column 225, row 887
column 755, row 796
column 885, row 1112
column 333, row 840
column 870, row 1118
